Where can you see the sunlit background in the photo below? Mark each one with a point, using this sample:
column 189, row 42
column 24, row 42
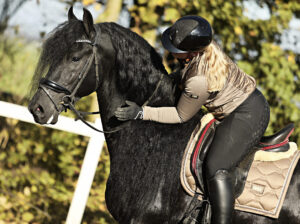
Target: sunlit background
column 39, row 167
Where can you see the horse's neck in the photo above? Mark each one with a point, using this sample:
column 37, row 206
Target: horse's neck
column 109, row 98
column 158, row 91
column 144, row 67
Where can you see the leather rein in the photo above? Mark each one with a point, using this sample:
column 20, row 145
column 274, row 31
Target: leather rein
column 69, row 99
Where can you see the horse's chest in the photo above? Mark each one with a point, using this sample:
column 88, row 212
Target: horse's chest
column 127, row 202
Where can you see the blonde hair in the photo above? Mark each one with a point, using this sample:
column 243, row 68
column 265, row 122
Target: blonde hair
column 212, row 63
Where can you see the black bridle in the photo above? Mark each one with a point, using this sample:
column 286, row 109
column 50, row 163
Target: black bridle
column 69, row 99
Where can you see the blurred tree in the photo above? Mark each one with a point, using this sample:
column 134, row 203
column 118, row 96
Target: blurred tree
column 7, row 10
column 255, row 44
column 38, row 177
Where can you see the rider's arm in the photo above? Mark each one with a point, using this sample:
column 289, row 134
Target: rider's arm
column 193, row 97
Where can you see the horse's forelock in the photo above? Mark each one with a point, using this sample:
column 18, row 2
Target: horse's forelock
column 55, row 47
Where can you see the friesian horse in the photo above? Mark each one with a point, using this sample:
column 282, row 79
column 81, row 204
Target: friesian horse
column 80, row 57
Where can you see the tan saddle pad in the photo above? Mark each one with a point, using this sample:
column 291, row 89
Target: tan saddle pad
column 267, row 182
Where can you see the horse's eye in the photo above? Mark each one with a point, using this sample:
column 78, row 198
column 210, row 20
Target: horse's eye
column 75, row 59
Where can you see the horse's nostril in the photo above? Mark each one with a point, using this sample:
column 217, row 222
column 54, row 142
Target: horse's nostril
column 40, row 109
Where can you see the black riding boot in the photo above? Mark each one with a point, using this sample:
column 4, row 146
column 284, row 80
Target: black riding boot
column 221, row 197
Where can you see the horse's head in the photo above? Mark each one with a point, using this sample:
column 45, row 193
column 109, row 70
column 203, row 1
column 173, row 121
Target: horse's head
column 129, row 69
column 66, row 68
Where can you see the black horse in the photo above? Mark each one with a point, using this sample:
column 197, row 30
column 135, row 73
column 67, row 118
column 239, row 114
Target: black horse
column 144, row 185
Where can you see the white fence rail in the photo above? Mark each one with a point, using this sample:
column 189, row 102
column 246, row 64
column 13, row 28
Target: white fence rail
column 91, row 157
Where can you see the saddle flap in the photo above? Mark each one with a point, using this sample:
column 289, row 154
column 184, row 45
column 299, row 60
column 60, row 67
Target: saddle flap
column 187, row 174
column 201, row 150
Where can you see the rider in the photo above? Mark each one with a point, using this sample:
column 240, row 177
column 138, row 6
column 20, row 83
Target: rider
column 212, row 79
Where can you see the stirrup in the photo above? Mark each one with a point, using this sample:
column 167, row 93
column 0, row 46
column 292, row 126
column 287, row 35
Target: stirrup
column 196, row 210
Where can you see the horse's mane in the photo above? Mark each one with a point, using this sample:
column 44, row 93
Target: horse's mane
column 55, row 47
column 138, row 64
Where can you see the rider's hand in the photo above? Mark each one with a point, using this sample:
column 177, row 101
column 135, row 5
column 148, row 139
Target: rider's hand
column 131, row 112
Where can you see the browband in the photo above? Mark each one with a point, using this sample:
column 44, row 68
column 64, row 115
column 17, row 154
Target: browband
column 85, row 41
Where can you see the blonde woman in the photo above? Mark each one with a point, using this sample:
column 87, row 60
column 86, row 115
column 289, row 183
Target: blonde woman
column 212, row 79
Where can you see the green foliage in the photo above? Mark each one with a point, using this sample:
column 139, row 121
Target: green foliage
column 39, row 170
column 39, row 166
column 17, row 59
column 253, row 44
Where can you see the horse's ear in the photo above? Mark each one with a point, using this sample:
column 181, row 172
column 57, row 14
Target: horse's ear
column 88, row 23
column 71, row 15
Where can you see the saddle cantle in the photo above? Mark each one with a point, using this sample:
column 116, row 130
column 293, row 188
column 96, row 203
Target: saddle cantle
column 261, row 190
column 279, row 142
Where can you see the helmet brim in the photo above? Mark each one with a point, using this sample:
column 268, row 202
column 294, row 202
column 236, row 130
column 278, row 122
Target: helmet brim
column 167, row 44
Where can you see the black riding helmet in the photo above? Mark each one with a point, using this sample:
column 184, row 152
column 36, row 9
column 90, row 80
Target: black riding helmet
column 188, row 34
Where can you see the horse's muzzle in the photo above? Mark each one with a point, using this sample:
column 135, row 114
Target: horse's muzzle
column 42, row 116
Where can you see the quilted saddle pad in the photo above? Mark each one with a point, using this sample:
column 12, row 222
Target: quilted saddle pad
column 267, row 182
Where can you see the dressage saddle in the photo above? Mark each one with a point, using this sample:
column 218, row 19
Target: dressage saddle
column 278, row 142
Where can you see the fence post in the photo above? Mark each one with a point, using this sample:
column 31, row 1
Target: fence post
column 86, row 177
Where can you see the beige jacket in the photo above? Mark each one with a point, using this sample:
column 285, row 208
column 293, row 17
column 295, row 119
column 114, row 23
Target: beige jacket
column 237, row 88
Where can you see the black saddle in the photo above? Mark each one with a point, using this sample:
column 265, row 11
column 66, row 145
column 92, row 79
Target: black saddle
column 278, row 142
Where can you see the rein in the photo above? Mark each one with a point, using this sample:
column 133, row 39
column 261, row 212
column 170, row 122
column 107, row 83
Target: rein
column 67, row 101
